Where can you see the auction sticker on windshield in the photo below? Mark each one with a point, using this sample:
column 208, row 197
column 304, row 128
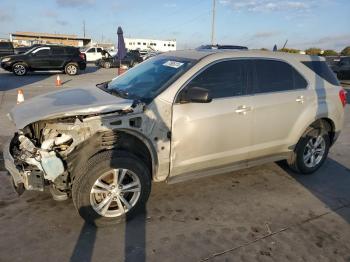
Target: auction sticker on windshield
column 173, row 64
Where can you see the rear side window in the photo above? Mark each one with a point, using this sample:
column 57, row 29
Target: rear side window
column 71, row 50
column 321, row 68
column 57, row 51
column 276, row 76
column 223, row 79
column 99, row 50
column 91, row 50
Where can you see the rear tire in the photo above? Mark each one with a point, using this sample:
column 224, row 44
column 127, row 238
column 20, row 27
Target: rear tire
column 20, row 69
column 107, row 65
column 71, row 69
column 310, row 152
column 88, row 193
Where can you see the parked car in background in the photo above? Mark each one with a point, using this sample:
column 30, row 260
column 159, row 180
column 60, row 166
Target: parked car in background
column 112, row 52
column 342, row 68
column 6, row 48
column 177, row 116
column 131, row 59
column 94, row 53
column 151, row 54
column 230, row 47
column 46, row 57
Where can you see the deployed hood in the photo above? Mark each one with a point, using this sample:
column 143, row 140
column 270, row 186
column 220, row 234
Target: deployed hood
column 68, row 102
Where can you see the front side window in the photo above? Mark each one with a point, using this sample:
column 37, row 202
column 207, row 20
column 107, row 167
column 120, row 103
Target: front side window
column 223, row 79
column 42, row 52
column 276, row 76
column 150, row 78
column 99, row 50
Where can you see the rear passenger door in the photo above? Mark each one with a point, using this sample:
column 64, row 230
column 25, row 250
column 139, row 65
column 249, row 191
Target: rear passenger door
column 217, row 134
column 58, row 57
column 279, row 97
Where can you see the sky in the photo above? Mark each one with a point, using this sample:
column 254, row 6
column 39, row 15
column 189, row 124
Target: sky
column 254, row 23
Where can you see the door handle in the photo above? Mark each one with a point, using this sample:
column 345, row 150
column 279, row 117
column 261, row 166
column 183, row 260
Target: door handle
column 300, row 99
column 243, row 109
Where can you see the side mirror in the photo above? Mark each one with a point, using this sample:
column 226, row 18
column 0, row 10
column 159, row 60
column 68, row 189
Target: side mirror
column 195, row 95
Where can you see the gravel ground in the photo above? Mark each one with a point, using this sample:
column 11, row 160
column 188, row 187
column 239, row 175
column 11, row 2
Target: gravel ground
column 264, row 213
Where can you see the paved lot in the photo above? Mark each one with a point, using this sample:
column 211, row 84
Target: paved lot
column 259, row 214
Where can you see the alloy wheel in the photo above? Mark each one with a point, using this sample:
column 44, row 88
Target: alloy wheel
column 314, row 151
column 19, row 70
column 71, row 70
column 115, row 192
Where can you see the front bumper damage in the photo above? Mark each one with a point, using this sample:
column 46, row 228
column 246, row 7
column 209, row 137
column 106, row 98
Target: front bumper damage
column 21, row 179
column 31, row 166
column 10, row 165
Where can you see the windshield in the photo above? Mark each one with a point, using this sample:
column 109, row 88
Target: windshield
column 148, row 79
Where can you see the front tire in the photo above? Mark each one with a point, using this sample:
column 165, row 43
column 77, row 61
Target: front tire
column 107, row 65
column 310, row 152
column 115, row 186
column 71, row 69
column 19, row 69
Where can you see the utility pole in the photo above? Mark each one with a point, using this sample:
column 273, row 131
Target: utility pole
column 213, row 24
column 84, row 27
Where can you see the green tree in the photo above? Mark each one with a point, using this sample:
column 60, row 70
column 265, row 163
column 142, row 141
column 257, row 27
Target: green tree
column 290, row 50
column 313, row 51
column 329, row 52
column 346, row 51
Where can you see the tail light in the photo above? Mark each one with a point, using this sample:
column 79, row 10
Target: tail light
column 82, row 56
column 342, row 96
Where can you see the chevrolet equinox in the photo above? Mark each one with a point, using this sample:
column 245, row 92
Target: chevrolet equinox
column 176, row 116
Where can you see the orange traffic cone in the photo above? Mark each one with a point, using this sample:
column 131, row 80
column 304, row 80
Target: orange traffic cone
column 20, row 96
column 58, row 81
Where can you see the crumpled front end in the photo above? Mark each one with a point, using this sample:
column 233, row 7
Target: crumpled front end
column 35, row 156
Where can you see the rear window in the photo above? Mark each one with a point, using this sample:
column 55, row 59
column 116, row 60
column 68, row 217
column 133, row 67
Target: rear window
column 322, row 69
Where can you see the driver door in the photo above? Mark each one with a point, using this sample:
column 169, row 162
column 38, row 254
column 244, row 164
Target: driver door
column 215, row 135
column 40, row 58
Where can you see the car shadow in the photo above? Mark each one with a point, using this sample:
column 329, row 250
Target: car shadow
column 330, row 184
column 9, row 81
column 134, row 240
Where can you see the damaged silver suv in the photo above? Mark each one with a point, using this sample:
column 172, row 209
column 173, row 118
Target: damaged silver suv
column 176, row 116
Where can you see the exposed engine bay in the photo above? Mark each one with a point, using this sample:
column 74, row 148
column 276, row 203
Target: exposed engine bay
column 41, row 148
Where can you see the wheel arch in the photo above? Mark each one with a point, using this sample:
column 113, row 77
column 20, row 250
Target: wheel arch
column 22, row 62
column 326, row 124
column 122, row 139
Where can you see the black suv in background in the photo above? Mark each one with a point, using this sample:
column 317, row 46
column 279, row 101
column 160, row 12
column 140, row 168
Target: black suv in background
column 6, row 48
column 46, row 57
